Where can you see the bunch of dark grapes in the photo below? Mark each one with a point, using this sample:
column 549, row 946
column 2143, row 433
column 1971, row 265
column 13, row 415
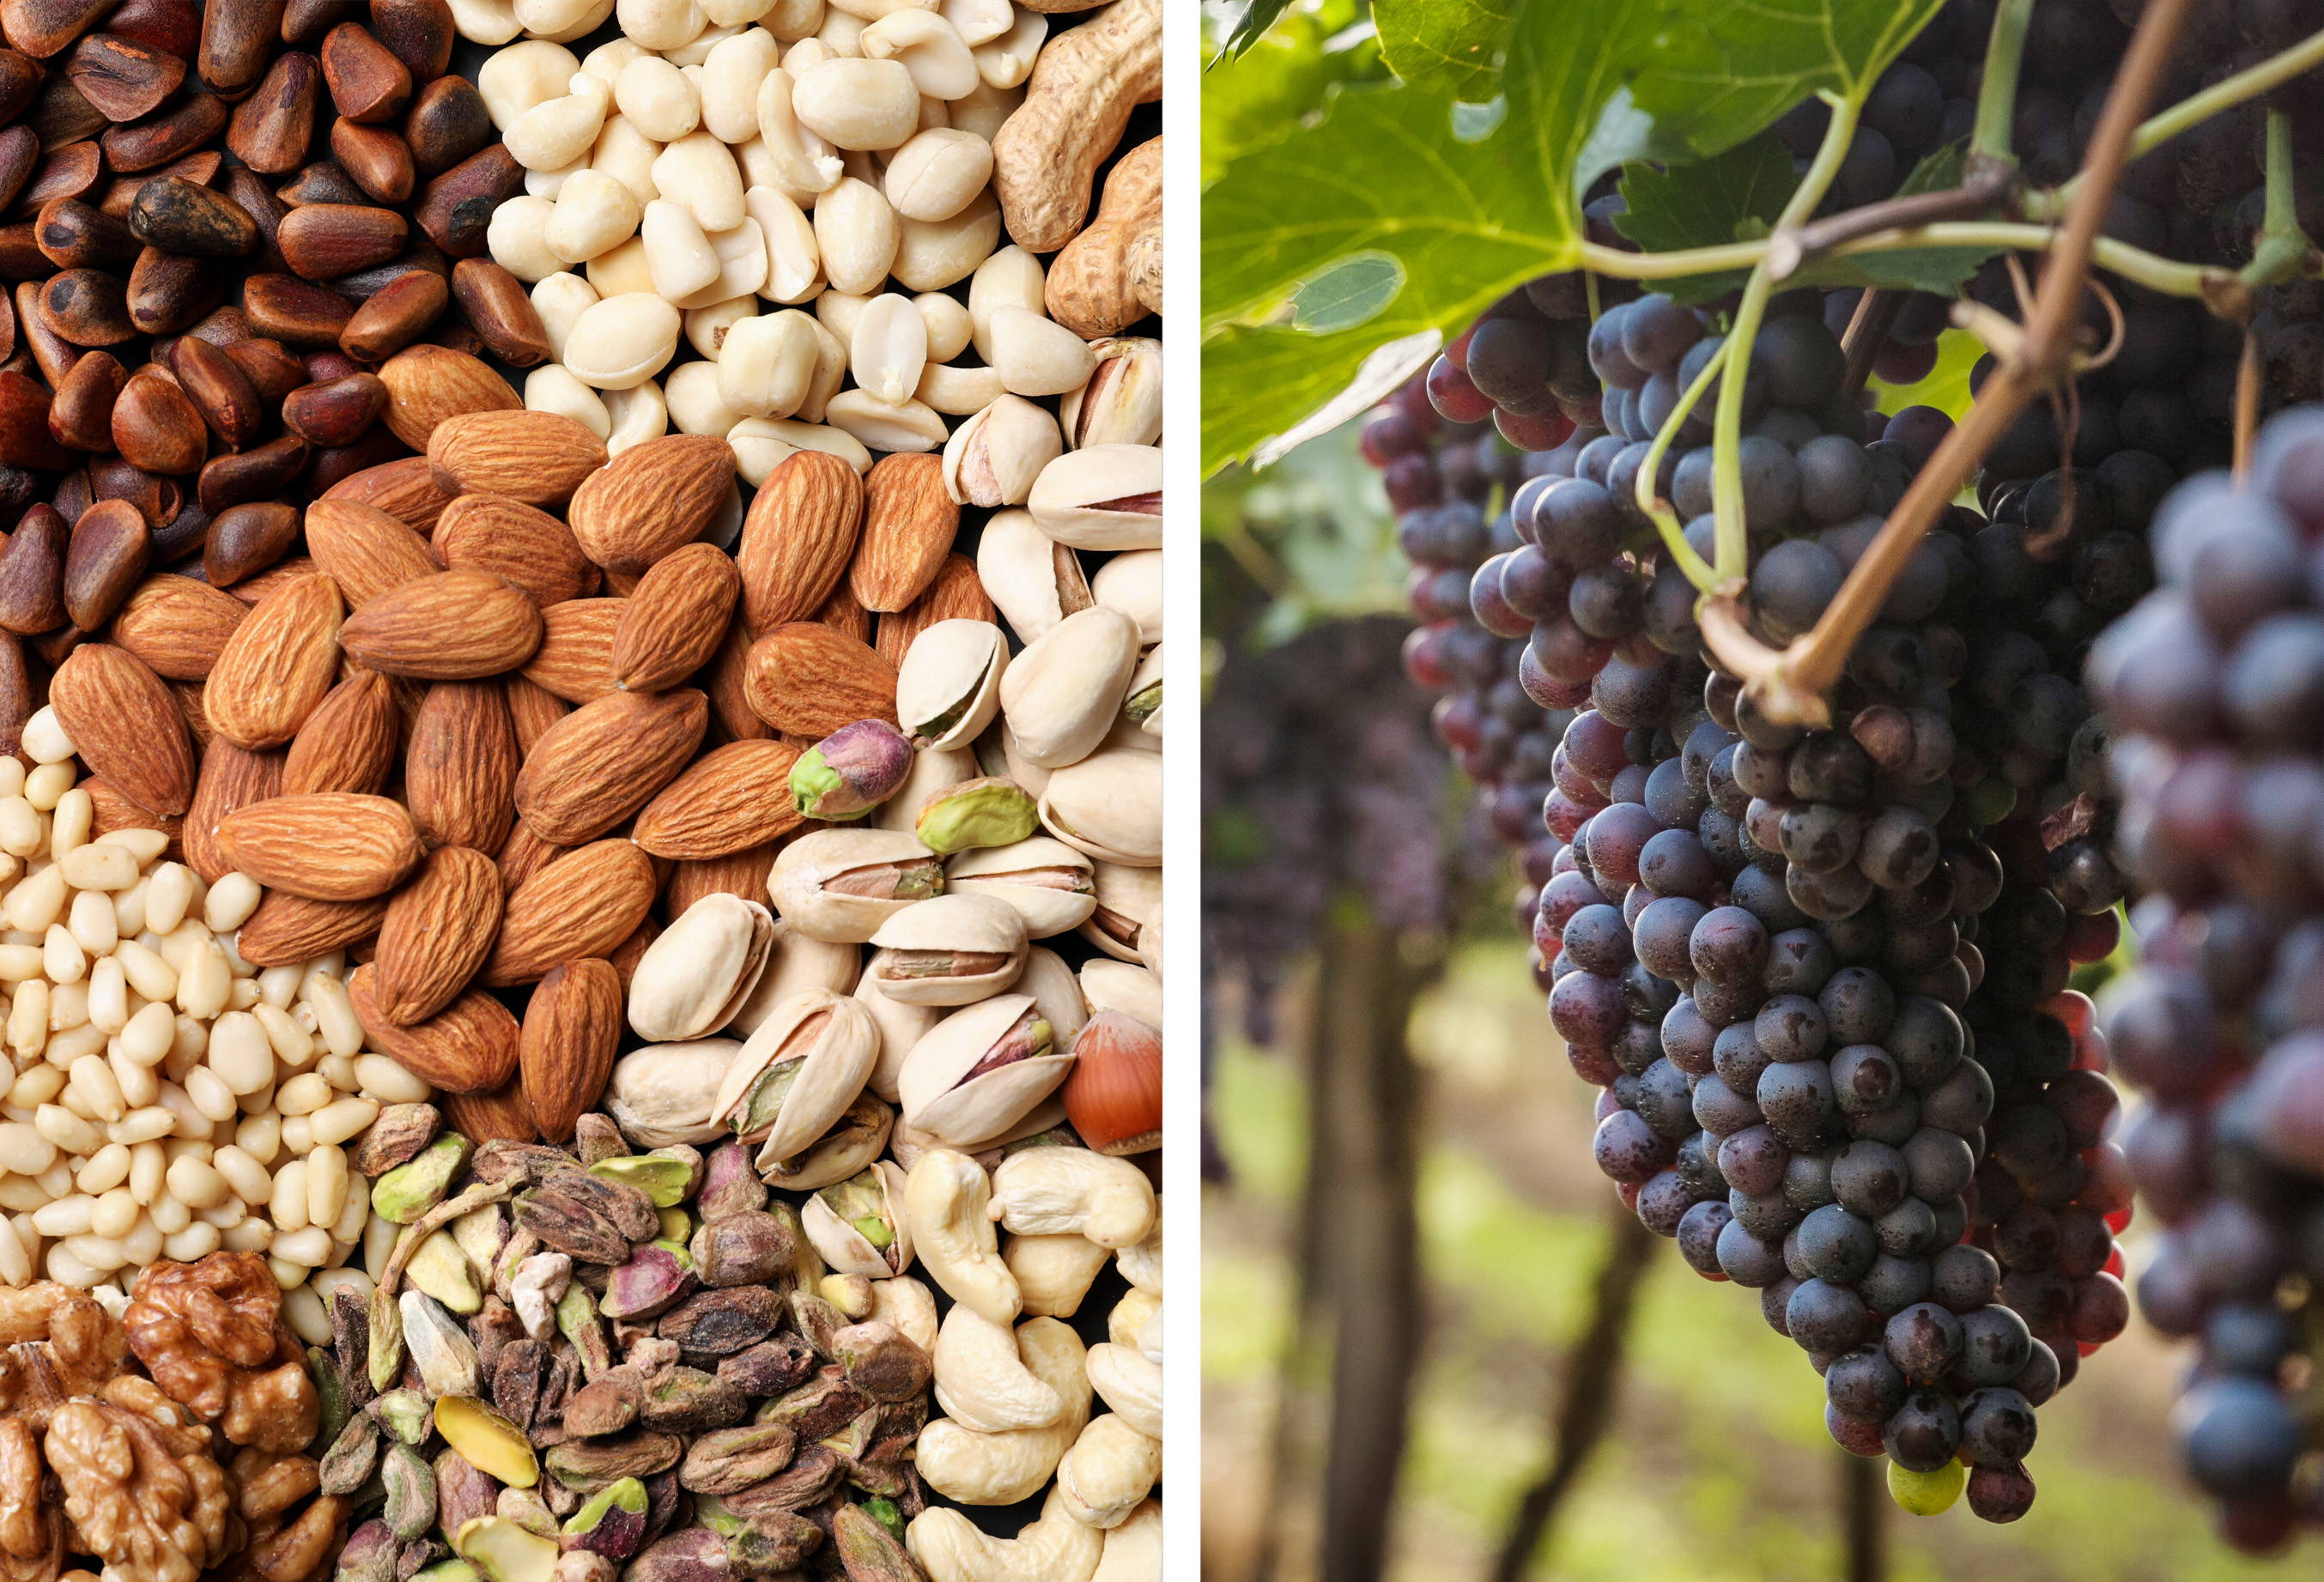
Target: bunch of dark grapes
column 2215, row 683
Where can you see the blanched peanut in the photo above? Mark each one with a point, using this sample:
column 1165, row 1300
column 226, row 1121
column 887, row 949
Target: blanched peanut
column 559, row 131
column 731, row 76
column 657, row 99
column 676, row 252
column 857, row 104
column 627, row 155
column 856, row 231
column 888, row 348
column 696, row 407
column 765, row 365
column 899, row 425
column 622, row 341
column 513, row 81
column 936, row 174
column 517, row 238
column 619, row 271
column 639, row 414
column 925, row 45
column 698, row 171
column 551, row 388
column 594, row 211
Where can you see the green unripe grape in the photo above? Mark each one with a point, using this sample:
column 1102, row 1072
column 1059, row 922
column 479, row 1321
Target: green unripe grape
column 1927, row 1494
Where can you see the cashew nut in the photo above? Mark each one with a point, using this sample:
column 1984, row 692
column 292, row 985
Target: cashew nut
column 948, row 1199
column 1133, row 1550
column 1055, row 1548
column 1141, row 1265
column 1131, row 1315
column 1054, row 1272
column 1000, row 1469
column 1109, row 1472
column 908, row 1304
column 1130, row 1382
column 982, row 1381
column 1050, row 1192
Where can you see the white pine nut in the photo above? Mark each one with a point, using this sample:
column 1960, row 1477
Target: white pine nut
column 21, row 829
column 326, row 1185
column 279, row 986
column 105, row 1169
column 94, row 925
column 309, row 1247
column 139, row 1085
column 68, row 1270
column 169, row 891
column 129, row 911
column 19, row 963
column 339, row 1071
column 197, row 1240
column 204, row 981
column 142, row 1243
column 36, row 901
column 43, row 738
column 108, row 995
column 148, row 1038
column 141, row 1127
column 302, row 1095
column 68, row 1008
column 387, row 1081
column 292, row 1045
column 46, row 784
column 334, row 1015
column 67, row 1216
column 303, row 1311
column 148, row 973
column 260, row 1137
column 15, row 1261
column 100, row 1253
column 62, row 959
column 168, row 1216
column 230, row 902
column 354, row 1214
column 98, row 866
column 21, row 1194
column 36, row 1087
column 244, row 1174
column 66, row 1130
column 244, row 995
column 115, row 1214
column 196, row 1184
column 297, row 1133
column 95, row 1079
column 148, row 1166
column 246, row 1235
column 23, row 1150
column 69, row 830
column 288, row 1205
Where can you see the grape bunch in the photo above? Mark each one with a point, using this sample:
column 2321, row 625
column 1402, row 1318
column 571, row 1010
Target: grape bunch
column 2215, row 685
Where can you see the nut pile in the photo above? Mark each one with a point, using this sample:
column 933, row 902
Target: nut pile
column 795, row 192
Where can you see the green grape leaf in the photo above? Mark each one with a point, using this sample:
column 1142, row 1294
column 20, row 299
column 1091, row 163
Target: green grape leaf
column 1452, row 45
column 1940, row 171
column 1734, row 197
column 1385, row 172
column 1257, row 16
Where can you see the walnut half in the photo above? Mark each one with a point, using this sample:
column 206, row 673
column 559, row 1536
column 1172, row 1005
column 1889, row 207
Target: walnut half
column 211, row 1333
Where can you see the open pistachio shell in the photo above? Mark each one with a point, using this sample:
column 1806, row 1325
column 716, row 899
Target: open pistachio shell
column 1109, row 806
column 934, row 770
column 1116, row 986
column 1131, row 583
column 948, row 686
column 1048, row 882
column 951, row 951
column 854, row 1142
column 841, row 884
column 799, row 1073
column 693, row 979
column 1143, row 707
column 1128, row 899
column 980, row 1070
column 1020, row 768
column 859, row 1225
column 1056, row 991
column 900, row 1027
column 1060, row 696
column 1034, row 581
column 796, row 962
column 662, row 1095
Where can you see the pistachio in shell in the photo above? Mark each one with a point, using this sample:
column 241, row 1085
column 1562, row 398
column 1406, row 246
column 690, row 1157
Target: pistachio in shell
column 1056, row 991
column 841, row 884
column 980, row 1071
column 1129, row 900
column 1061, row 696
column 1143, row 707
column 858, row 1226
column 700, row 970
column 951, row 951
column 850, row 771
column 1051, row 884
column 988, row 811
column 1108, row 985
column 853, row 1141
column 948, row 687
column 1034, row 581
column 797, row 1072
column 1109, row 806
column 796, row 962
column 900, row 1027
column 662, row 1094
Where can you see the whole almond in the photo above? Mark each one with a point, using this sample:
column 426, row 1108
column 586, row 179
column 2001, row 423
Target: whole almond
column 731, row 799
column 524, row 854
column 277, row 665
column 323, row 845
column 605, row 759
column 842, row 613
column 406, row 490
column 955, row 595
column 575, row 661
column 438, row 931
column 427, row 384
column 367, row 550
column 584, row 905
column 348, row 743
column 523, row 543
column 110, row 809
column 122, row 720
column 451, row 626
column 798, row 538
column 652, row 497
column 909, row 521
column 673, row 623
column 178, row 625
column 467, row 1047
column 288, row 931
column 729, row 703
column 809, row 680
column 459, row 772
column 565, row 1049
column 540, row 458
column 738, row 873
column 504, row 1115
column 230, row 778
column 532, row 710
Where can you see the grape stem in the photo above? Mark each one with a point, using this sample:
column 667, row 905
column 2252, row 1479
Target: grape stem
column 1984, row 185
column 1791, row 683
column 2283, row 248
column 1868, row 333
column 1734, row 556
column 1997, row 95
column 2133, row 264
column 1665, row 520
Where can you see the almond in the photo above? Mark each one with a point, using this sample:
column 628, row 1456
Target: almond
column 251, row 590
column 323, row 845
column 731, row 799
column 909, row 521
column 537, row 457
column 406, row 490
column 809, row 680
column 650, row 499
column 110, row 809
column 366, row 550
column 124, row 723
column 467, row 1047
column 504, row 1115
column 459, row 772
column 583, row 905
column 348, row 743
column 724, row 679
column 626, row 956
column 956, row 593
column 524, row 854
column 739, row 873
column 178, row 625
column 575, row 661
column 564, row 1051
column 427, row 384
column 798, row 538
column 523, row 543
column 532, row 708
column 289, row 930
column 231, row 778
column 451, row 626
column 437, row 931
column 841, row 613
column 278, row 664
column 605, row 759
column 672, row 625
